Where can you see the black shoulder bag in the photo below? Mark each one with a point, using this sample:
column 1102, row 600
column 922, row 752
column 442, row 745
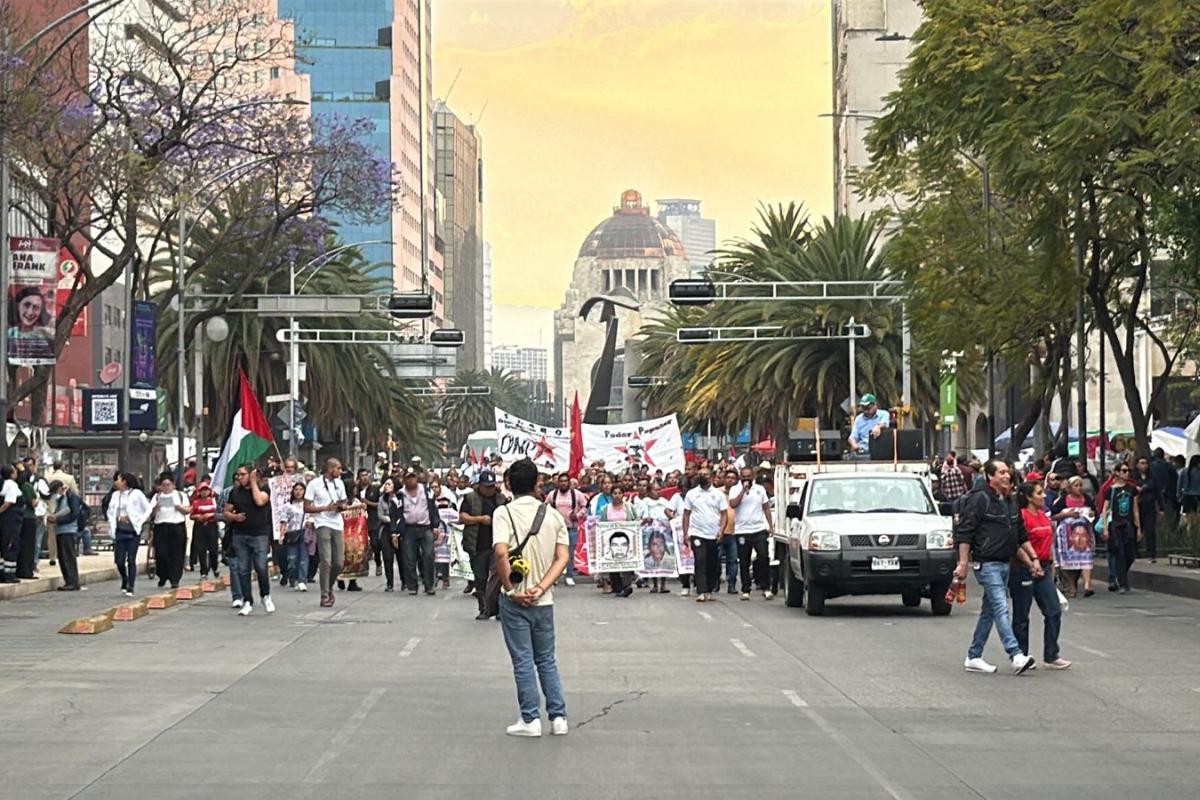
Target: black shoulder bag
column 491, row 597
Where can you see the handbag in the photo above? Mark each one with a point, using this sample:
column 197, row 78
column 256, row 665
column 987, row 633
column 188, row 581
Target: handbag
column 293, row 537
column 491, row 595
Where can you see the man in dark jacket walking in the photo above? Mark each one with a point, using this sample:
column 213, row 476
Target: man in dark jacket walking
column 989, row 534
column 475, row 513
column 418, row 514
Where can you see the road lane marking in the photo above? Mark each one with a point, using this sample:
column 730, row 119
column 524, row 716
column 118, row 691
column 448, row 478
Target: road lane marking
column 706, row 615
column 868, row 766
column 410, row 646
column 1142, row 611
column 796, row 699
column 342, row 737
column 741, row 646
column 1078, row 646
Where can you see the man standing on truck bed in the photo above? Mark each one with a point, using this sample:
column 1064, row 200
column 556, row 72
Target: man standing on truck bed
column 989, row 534
column 868, row 424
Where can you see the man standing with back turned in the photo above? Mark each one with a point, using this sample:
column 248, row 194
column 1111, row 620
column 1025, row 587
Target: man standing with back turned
column 527, row 608
column 990, row 534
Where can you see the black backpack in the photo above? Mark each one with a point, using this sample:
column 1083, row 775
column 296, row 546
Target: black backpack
column 84, row 514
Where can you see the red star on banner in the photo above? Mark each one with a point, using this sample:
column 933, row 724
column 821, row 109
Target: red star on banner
column 543, row 449
column 636, row 451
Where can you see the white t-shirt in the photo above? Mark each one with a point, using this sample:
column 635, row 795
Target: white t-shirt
column 11, row 492
column 166, row 508
column 322, row 491
column 512, row 521
column 676, row 505
column 748, row 516
column 706, row 506
column 652, row 509
column 42, row 490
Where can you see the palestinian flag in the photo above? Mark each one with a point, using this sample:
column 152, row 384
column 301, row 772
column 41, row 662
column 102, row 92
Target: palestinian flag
column 249, row 435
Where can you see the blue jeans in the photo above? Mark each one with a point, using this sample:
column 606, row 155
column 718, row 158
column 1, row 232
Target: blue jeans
column 728, row 551
column 573, row 538
column 993, row 579
column 529, row 636
column 252, row 552
column 86, row 536
column 125, row 554
column 297, row 561
column 235, row 577
column 1025, row 589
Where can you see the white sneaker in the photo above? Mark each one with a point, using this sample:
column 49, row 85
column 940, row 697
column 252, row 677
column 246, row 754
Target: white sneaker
column 1022, row 663
column 127, row 593
column 236, row 604
column 685, row 592
column 300, row 587
column 269, row 604
column 768, row 595
column 558, row 726
column 745, row 595
column 978, row 665
column 247, row 610
column 523, row 728
column 570, row 582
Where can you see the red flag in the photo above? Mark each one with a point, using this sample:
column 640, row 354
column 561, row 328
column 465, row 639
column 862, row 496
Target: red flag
column 732, row 452
column 472, row 449
column 576, row 463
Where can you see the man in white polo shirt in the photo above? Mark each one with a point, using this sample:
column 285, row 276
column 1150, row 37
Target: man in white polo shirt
column 751, row 526
column 325, row 498
column 704, row 518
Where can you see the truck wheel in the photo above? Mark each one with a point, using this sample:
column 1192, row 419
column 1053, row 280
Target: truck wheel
column 816, row 600
column 937, row 599
column 795, row 586
column 911, row 598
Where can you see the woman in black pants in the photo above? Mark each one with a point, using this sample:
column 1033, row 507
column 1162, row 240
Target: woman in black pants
column 26, row 557
column 169, row 508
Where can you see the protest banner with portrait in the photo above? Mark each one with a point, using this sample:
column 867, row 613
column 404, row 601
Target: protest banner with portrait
column 280, row 489
column 354, row 535
column 460, row 561
column 618, row 547
column 685, row 558
column 442, row 550
column 658, row 548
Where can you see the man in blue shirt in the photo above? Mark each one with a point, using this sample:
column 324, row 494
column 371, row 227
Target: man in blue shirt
column 869, row 423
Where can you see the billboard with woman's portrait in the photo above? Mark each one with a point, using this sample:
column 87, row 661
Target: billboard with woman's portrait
column 32, row 301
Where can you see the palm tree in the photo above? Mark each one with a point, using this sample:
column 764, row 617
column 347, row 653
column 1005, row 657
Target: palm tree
column 463, row 415
column 776, row 381
column 344, row 383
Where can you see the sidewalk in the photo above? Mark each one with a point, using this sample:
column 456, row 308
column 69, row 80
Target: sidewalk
column 1147, row 577
column 92, row 569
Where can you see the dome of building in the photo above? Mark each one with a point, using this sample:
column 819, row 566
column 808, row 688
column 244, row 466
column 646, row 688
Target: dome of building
column 631, row 233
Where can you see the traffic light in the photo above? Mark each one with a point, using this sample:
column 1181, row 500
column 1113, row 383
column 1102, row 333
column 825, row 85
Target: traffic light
column 639, row 381
column 411, row 306
column 694, row 335
column 692, row 292
column 447, row 337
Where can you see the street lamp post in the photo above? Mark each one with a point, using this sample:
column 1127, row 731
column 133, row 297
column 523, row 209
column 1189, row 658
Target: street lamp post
column 294, row 346
column 6, row 180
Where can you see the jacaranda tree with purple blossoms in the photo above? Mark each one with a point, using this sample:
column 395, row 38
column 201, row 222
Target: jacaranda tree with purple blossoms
column 149, row 118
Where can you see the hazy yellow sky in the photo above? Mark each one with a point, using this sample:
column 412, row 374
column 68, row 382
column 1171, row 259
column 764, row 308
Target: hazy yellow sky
column 676, row 98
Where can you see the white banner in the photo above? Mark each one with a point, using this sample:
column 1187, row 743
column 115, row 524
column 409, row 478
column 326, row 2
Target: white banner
column 618, row 547
column 653, row 442
column 548, row 448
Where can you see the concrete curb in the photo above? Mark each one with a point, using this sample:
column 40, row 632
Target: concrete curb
column 1186, row 584
column 12, row 591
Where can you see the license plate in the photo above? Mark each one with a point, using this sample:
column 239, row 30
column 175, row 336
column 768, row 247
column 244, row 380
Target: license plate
column 885, row 563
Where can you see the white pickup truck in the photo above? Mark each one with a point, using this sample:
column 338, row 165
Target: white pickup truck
column 857, row 528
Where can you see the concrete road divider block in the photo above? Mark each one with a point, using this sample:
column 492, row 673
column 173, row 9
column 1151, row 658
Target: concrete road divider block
column 111, row 612
column 164, row 600
column 190, row 592
column 132, row 611
column 97, row 624
column 213, row 585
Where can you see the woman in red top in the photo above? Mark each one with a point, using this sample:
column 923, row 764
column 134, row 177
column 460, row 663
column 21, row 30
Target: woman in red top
column 1026, row 589
column 204, row 529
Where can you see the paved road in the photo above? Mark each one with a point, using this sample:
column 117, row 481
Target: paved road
column 390, row 696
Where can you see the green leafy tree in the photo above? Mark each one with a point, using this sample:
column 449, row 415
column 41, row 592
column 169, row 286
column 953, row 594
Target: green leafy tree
column 1085, row 111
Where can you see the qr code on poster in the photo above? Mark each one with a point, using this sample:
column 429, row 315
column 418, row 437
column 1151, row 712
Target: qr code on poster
column 104, row 411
